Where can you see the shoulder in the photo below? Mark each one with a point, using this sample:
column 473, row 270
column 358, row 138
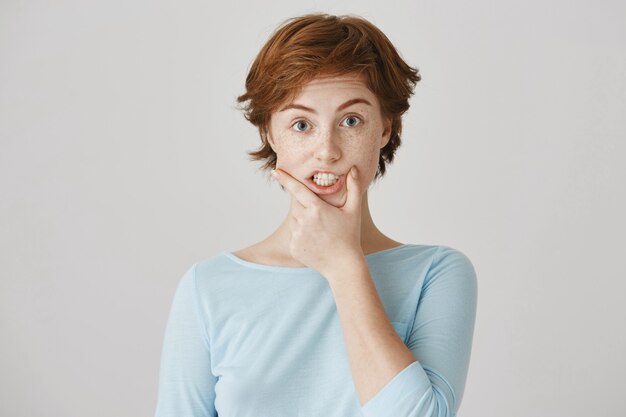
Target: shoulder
column 450, row 255
column 452, row 267
column 204, row 270
column 433, row 257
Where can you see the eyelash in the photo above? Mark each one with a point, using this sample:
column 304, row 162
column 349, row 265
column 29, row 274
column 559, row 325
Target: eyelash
column 347, row 117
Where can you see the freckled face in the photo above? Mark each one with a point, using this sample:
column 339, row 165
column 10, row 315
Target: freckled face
column 330, row 134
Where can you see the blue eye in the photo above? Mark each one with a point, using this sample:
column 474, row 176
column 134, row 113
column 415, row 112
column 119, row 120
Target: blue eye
column 354, row 121
column 300, row 125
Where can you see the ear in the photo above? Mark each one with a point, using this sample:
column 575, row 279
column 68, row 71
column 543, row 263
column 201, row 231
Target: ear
column 269, row 139
column 386, row 132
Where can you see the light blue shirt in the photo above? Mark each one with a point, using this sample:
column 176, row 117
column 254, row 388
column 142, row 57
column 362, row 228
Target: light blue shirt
column 251, row 340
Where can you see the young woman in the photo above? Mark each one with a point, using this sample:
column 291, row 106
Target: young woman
column 327, row 316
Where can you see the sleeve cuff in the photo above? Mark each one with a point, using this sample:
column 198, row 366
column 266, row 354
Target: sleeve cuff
column 412, row 382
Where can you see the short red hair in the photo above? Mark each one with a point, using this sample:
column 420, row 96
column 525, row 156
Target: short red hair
column 305, row 47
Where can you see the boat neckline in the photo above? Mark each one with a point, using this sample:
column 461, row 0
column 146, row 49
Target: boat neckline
column 280, row 268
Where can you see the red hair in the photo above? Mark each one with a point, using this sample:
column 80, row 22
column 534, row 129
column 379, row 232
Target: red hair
column 305, row 47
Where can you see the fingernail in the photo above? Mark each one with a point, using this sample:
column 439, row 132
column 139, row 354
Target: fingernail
column 353, row 172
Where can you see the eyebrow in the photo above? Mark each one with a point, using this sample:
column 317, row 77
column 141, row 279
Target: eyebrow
column 343, row 106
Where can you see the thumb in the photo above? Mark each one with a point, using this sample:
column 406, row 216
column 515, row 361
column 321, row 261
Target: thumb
column 353, row 200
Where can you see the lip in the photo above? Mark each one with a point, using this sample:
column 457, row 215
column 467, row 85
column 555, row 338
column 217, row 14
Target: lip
column 325, row 190
column 322, row 172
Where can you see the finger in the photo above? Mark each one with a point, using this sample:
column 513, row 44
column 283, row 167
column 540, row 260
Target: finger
column 297, row 190
column 296, row 207
column 353, row 200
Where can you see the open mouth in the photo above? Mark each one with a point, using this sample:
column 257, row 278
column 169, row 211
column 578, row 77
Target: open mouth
column 324, row 180
column 322, row 185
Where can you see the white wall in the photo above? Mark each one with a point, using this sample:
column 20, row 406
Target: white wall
column 122, row 154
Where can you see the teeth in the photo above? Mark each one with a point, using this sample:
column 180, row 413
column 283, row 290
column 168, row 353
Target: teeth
column 324, row 183
column 325, row 176
column 325, row 179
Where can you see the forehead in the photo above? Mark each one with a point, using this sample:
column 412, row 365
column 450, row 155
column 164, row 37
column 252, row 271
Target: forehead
column 337, row 84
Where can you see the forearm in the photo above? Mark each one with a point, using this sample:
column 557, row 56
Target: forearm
column 375, row 351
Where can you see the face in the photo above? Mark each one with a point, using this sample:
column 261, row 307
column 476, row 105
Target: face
column 334, row 123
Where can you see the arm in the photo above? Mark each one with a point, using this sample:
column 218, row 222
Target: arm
column 426, row 377
column 186, row 384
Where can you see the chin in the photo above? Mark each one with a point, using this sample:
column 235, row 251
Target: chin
column 337, row 200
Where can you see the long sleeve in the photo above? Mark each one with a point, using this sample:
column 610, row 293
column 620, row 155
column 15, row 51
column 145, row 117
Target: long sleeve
column 440, row 339
column 186, row 384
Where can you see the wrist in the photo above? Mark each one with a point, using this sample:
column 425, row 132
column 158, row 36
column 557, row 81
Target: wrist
column 345, row 264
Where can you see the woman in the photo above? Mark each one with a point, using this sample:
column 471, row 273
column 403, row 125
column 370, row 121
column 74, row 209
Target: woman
column 327, row 316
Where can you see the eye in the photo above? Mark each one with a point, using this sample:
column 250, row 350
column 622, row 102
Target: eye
column 300, row 125
column 352, row 121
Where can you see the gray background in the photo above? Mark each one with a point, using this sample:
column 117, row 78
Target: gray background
column 123, row 162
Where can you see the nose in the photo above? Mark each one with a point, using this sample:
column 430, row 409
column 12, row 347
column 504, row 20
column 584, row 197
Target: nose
column 327, row 147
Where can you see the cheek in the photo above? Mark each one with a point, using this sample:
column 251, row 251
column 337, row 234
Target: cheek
column 364, row 151
column 288, row 152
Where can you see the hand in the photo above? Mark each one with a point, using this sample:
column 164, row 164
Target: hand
column 323, row 236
